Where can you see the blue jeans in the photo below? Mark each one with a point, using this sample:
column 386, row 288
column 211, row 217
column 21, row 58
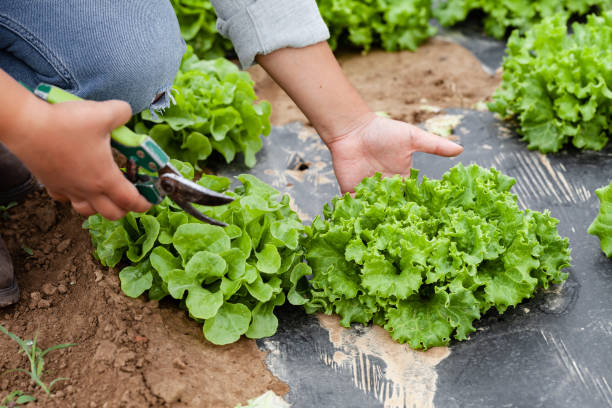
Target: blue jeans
column 97, row 49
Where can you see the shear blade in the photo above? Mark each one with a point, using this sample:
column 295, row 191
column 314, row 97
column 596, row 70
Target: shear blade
column 190, row 209
column 179, row 188
column 185, row 192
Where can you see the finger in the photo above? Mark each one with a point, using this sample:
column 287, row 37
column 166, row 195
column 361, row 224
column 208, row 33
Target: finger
column 106, row 208
column 125, row 196
column 83, row 208
column 57, row 196
column 426, row 142
column 116, row 113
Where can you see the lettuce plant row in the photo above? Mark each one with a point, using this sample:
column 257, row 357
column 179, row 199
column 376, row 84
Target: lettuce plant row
column 602, row 225
column 214, row 109
column 424, row 260
column 230, row 279
column 557, row 86
column 502, row 16
column 391, row 24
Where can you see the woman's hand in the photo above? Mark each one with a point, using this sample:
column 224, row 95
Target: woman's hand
column 361, row 142
column 382, row 145
column 67, row 148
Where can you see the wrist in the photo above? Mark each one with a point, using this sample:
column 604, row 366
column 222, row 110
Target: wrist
column 30, row 118
column 344, row 130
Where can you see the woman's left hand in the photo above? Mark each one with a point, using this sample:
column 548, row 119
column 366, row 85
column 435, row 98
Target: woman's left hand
column 385, row 146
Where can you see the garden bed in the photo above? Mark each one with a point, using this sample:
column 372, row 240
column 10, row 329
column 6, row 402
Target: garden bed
column 135, row 353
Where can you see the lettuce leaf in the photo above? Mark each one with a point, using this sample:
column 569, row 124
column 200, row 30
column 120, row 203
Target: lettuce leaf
column 231, row 278
column 393, row 24
column 501, row 16
column 198, row 23
column 557, row 86
column 425, row 260
column 214, row 109
column 602, row 225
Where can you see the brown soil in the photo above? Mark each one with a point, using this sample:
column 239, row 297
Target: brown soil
column 134, row 353
column 129, row 352
column 405, row 85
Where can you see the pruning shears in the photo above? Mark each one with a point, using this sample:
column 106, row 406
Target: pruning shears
column 142, row 151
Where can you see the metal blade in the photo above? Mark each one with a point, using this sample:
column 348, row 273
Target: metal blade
column 181, row 189
column 190, row 209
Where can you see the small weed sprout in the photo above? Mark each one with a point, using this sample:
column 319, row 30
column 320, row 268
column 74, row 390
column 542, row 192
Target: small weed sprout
column 36, row 356
column 15, row 398
column 4, row 211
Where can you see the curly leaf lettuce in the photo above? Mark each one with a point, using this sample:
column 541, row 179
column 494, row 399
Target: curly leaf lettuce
column 425, row 260
column 214, row 109
column 602, row 225
column 500, row 16
column 392, row 24
column 231, row 278
column 557, row 86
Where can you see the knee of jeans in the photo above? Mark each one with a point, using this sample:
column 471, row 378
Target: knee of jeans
column 140, row 72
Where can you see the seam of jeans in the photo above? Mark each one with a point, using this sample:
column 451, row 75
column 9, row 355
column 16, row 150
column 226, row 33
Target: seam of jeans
column 53, row 60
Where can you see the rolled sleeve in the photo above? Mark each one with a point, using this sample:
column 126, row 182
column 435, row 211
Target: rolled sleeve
column 263, row 26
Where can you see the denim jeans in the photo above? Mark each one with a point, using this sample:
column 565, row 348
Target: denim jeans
column 97, row 49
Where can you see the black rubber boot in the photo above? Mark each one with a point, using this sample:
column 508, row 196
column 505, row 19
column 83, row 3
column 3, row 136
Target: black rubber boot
column 9, row 291
column 16, row 182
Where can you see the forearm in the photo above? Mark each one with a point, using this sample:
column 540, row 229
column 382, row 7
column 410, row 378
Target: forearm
column 288, row 40
column 312, row 77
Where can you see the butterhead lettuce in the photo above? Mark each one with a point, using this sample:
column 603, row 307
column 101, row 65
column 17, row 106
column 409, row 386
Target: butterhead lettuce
column 230, row 279
column 198, row 22
column 215, row 109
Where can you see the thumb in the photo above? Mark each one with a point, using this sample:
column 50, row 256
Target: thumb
column 426, row 142
column 115, row 112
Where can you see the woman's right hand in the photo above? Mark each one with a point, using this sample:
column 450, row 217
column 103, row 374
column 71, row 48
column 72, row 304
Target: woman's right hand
column 67, row 148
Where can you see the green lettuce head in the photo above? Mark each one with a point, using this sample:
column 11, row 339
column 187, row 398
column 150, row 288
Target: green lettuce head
column 425, row 260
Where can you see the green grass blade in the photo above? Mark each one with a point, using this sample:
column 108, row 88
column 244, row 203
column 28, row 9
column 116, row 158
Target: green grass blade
column 57, row 347
column 24, row 399
column 52, row 383
column 10, row 397
column 13, row 337
column 40, row 366
column 18, row 370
